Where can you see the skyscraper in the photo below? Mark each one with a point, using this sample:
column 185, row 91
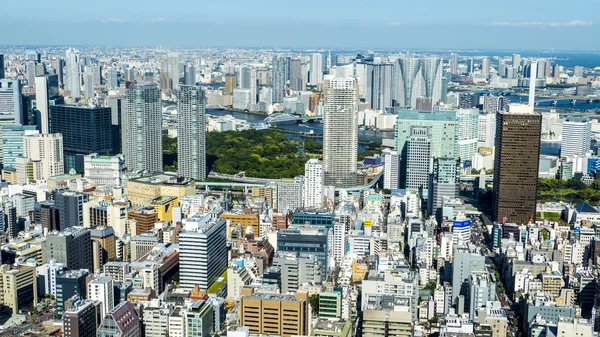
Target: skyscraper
column 340, row 132
column 116, row 120
column 173, row 69
column 70, row 208
column 417, row 78
column 112, row 78
column 191, row 133
column 73, row 73
column 418, row 163
column 516, row 163
column 485, row 66
column 278, row 78
column 316, row 68
column 85, row 130
column 46, row 94
column 575, row 136
column 248, row 81
column 1, row 66
column 190, row 74
column 48, row 151
column 391, row 170
column 296, row 82
column 143, row 128
column 516, row 61
column 443, row 182
column 313, row 183
column 229, row 84
column 202, row 251
column 12, row 142
column 454, row 63
column 379, row 86
column 10, row 102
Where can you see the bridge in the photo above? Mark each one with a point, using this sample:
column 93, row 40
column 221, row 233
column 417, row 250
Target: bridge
column 290, row 118
column 567, row 100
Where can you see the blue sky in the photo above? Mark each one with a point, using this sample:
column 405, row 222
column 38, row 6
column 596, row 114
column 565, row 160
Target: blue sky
column 443, row 24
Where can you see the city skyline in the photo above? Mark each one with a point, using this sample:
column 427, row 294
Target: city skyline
column 271, row 23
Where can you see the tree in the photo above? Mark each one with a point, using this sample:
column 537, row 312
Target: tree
column 314, row 303
column 433, row 320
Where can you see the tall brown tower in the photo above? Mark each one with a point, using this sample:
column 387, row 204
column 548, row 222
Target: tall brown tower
column 516, row 164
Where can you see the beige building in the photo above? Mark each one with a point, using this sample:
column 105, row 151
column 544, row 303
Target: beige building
column 574, row 327
column 387, row 323
column 552, row 283
column 274, row 314
column 19, row 287
column 48, row 151
column 141, row 191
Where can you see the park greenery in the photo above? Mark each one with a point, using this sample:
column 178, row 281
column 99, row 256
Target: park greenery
column 572, row 190
column 258, row 153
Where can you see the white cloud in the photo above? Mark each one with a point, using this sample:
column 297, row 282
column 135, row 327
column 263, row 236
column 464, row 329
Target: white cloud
column 112, row 20
column 158, row 20
column 394, row 23
column 573, row 23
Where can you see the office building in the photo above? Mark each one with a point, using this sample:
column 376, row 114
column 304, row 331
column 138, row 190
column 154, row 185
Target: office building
column 241, row 99
column 112, row 78
column 155, row 318
column 296, row 79
column 417, row 78
column 453, row 63
column 493, row 104
column 46, row 277
column 313, row 184
column 391, row 162
column 47, row 151
column 82, row 319
column 467, row 123
column 202, row 251
column 310, row 240
column 142, row 244
column 173, row 70
column 298, row 269
column 70, row 207
column 19, row 288
column 384, row 321
column 46, row 95
column 189, row 75
column 340, row 133
column 247, row 81
column 485, row 66
column 122, row 320
column 443, row 182
column 101, row 289
column 105, row 237
column 379, row 86
column 289, row 195
column 1, row 66
column 191, row 133
column 104, row 170
column 482, row 290
column 463, row 265
column 278, row 77
column 487, row 130
column 143, row 125
column 70, row 284
column 576, row 134
column 418, row 159
column 72, row 247
column 117, row 111
column 199, row 319
column 73, row 83
column 85, row 130
column 12, row 142
column 10, row 102
column 275, row 314
column 516, row 164
column 316, row 68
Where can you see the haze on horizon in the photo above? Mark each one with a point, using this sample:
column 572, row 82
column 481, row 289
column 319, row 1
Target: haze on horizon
column 434, row 24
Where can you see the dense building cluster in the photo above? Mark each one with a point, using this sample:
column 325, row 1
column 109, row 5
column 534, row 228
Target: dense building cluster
column 440, row 233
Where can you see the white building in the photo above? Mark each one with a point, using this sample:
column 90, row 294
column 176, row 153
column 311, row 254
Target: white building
column 191, row 133
column 313, row 184
column 340, row 132
column 576, row 135
column 73, row 83
column 49, row 272
column 102, row 289
column 391, row 169
column 487, row 130
column 104, row 170
column 155, row 318
column 241, row 99
column 289, row 195
column 47, row 151
column 202, row 251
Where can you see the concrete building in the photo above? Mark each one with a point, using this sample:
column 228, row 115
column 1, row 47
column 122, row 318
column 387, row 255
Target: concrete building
column 143, row 128
column 443, row 182
column 82, row 319
column 202, row 251
column 10, row 102
column 46, row 277
column 418, row 160
column 417, row 78
column 71, row 247
column 18, row 288
column 104, row 170
column 191, row 133
column 46, row 150
column 313, row 184
column 264, row 313
column 289, row 194
column 102, row 289
column 12, row 141
column 70, row 207
column 155, row 318
column 340, row 132
column 463, row 265
column 576, row 134
column 142, row 244
column 391, row 169
column 70, row 284
column 300, row 240
column 297, row 269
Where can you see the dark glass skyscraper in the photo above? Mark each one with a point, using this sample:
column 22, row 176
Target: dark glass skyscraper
column 516, row 164
column 85, row 130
